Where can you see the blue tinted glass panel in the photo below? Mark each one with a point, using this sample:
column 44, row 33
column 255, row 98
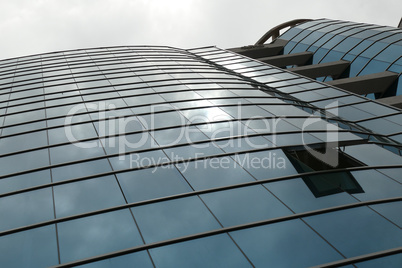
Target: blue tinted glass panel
column 26, row 208
column 376, row 186
column 152, row 183
column 390, row 54
column 166, row 119
column 138, row 160
column 71, row 133
column 23, row 142
column 74, row 152
column 266, row 164
column 139, row 259
column 80, row 170
column 296, row 194
column 128, row 143
column 118, row 126
column 193, row 151
column 364, row 230
column 357, row 65
column 391, row 211
column 214, row 251
column 26, row 161
column 388, row 261
column 270, row 245
column 394, row 173
column 365, row 153
column 178, row 136
column 212, row 173
column 174, row 218
column 244, row 205
column 244, row 144
column 88, row 195
column 32, row 248
column 95, row 235
column 24, row 181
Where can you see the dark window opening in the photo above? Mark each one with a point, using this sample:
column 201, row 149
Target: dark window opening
column 329, row 183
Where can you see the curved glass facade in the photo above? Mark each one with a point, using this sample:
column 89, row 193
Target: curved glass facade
column 163, row 157
column 370, row 48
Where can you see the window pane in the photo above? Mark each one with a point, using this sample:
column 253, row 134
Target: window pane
column 381, row 156
column 215, row 251
column 364, row 230
column 266, row 164
column 152, row 183
column 139, row 259
column 174, row 218
column 212, row 173
column 391, row 211
column 23, row 142
column 297, row 195
column 128, row 143
column 284, row 244
column 244, row 205
column 28, row 180
column 26, row 208
column 88, row 195
column 193, row 151
column 376, row 186
column 71, row 133
column 80, row 170
column 180, row 135
column 138, row 160
column 95, row 235
column 32, row 248
column 74, row 152
column 26, row 161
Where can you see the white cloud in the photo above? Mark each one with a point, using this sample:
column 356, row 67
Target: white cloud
column 35, row 26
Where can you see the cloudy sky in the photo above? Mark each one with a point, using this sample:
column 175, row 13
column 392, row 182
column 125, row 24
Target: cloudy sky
column 36, row 26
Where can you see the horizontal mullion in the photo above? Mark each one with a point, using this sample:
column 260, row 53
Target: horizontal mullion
column 162, row 128
column 226, row 230
column 114, row 172
column 180, row 145
column 136, row 106
column 338, row 143
column 182, row 195
column 361, row 258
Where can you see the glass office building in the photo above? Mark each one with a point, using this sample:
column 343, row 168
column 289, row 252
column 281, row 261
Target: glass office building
column 153, row 156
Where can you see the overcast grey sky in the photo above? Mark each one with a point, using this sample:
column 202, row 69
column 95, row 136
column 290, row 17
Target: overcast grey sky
column 36, row 26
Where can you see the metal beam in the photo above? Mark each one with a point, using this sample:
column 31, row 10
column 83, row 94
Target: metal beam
column 274, row 32
column 260, row 51
column 395, row 101
column 366, row 84
column 301, row 58
column 333, row 69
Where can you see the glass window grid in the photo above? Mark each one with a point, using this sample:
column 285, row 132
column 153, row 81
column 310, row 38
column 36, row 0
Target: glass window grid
column 305, row 32
column 66, row 105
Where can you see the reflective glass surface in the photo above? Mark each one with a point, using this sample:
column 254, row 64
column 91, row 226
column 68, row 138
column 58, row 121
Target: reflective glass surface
column 95, row 235
column 181, row 139
column 215, row 251
column 343, row 229
column 152, row 183
column 87, row 195
column 174, row 218
column 269, row 245
column 243, row 205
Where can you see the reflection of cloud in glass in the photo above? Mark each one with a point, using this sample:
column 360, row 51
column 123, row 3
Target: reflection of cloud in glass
column 95, row 235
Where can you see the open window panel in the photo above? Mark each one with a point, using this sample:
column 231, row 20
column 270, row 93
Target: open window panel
column 328, row 183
